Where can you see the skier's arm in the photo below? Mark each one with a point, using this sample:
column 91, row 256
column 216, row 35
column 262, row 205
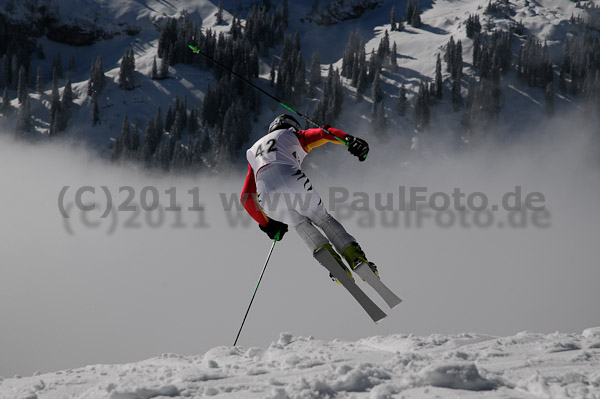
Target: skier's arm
column 272, row 227
column 249, row 201
column 312, row 138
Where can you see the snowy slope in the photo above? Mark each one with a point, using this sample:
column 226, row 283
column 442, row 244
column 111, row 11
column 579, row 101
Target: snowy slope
column 468, row 365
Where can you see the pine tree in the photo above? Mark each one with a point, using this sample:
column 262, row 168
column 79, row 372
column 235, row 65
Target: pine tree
column 39, row 85
column 338, row 93
column 207, row 144
column 159, row 123
column 6, row 71
column 67, row 100
column 285, row 12
column 438, row 78
column 473, row 26
column 476, row 50
column 422, row 113
column 219, row 14
column 456, row 95
column 362, row 83
column 431, row 96
column 470, row 93
column 55, row 109
column 92, row 85
column 53, row 128
column 14, row 71
column 6, row 108
column 349, row 57
column 177, row 128
column 180, row 158
column 272, row 73
column 154, row 74
column 449, row 54
column 22, row 85
column 67, row 94
column 562, row 83
column 291, row 82
column 122, row 142
column 164, row 68
column 97, row 79
column 152, row 137
column 374, row 66
column 376, row 90
column 458, row 61
column 169, row 118
column 192, row 125
column 315, row 74
column 383, row 50
column 410, row 9
column 393, row 23
column 126, row 134
column 126, row 71
column 415, row 20
column 24, row 121
column 400, row 23
column 394, row 57
column 134, row 146
column 402, row 104
column 95, row 111
column 30, row 78
column 100, row 77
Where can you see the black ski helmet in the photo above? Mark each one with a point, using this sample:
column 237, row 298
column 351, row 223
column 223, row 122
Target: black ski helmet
column 284, row 121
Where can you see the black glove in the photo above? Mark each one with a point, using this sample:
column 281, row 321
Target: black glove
column 273, row 227
column 357, row 147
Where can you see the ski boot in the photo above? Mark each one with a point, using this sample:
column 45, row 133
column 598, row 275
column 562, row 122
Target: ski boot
column 330, row 249
column 354, row 255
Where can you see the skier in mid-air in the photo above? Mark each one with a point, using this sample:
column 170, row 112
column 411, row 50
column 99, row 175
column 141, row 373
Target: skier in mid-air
column 274, row 172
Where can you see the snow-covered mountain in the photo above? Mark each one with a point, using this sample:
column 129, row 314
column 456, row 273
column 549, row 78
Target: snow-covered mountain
column 526, row 365
column 111, row 27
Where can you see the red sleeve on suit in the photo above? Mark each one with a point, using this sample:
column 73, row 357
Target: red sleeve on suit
column 249, row 201
column 312, row 138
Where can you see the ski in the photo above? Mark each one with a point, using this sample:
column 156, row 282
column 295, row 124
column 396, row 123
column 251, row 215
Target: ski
column 329, row 262
column 365, row 272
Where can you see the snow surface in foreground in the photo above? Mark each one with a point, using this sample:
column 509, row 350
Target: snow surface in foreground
column 526, row 365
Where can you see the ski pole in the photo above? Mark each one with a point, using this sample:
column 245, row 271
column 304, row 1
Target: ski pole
column 256, row 289
column 266, row 93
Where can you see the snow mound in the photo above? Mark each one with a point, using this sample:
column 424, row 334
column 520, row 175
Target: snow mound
column 592, row 337
column 527, row 364
column 169, row 391
column 457, row 376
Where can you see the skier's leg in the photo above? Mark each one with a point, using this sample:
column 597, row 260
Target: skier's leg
column 335, row 232
column 315, row 241
column 344, row 242
column 311, row 235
